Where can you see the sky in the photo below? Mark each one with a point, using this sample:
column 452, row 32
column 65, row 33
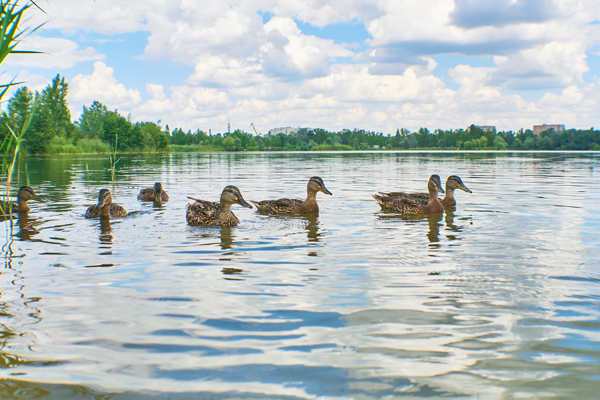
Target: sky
column 379, row 65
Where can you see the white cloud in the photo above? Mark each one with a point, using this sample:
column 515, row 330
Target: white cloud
column 273, row 74
column 55, row 53
column 101, row 86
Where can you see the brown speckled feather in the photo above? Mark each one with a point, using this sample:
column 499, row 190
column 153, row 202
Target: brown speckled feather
column 116, row 211
column 204, row 212
column 294, row 206
column 287, row 206
column 413, row 203
column 407, row 205
column 148, row 195
column 421, row 198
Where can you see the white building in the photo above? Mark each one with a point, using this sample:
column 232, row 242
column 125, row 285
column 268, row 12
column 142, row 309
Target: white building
column 287, row 130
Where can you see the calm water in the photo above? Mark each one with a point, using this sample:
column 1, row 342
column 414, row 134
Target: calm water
column 497, row 299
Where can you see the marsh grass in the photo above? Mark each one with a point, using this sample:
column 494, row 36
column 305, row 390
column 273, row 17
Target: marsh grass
column 61, row 145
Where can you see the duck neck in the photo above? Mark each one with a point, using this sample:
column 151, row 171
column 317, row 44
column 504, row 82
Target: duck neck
column 21, row 206
column 449, row 193
column 225, row 206
column 105, row 210
column 433, row 194
column 311, row 197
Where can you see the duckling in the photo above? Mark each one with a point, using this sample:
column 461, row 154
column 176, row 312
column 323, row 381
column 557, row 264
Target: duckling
column 404, row 203
column 105, row 207
column 452, row 183
column 294, row 206
column 204, row 212
column 24, row 194
column 156, row 194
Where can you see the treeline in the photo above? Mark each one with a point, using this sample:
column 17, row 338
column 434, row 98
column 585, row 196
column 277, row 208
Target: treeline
column 99, row 130
column 50, row 129
column 472, row 138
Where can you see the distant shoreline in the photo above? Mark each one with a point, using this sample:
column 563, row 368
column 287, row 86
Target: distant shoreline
column 327, row 151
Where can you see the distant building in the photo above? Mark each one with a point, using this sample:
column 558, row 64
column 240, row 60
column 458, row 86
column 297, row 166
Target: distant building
column 537, row 129
column 488, row 128
column 485, row 128
column 287, row 130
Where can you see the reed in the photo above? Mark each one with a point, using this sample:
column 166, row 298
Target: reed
column 12, row 16
column 113, row 162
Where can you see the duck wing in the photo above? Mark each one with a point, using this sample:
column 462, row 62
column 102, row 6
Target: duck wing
column 280, row 206
column 147, row 195
column 202, row 212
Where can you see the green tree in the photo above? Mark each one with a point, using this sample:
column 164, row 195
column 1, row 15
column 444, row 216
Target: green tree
column 90, row 123
column 40, row 133
column 229, row 143
column 19, row 108
column 500, row 143
column 54, row 98
column 116, row 125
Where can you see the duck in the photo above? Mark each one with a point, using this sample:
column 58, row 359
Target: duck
column 156, row 194
column 24, row 194
column 411, row 204
column 453, row 182
column 294, row 206
column 105, row 207
column 209, row 213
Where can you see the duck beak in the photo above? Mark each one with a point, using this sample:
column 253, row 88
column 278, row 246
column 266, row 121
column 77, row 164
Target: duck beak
column 439, row 188
column 37, row 198
column 324, row 190
column 243, row 202
column 466, row 189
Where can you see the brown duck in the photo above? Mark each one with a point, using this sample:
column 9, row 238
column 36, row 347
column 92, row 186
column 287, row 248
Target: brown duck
column 452, row 183
column 105, row 207
column 294, row 206
column 409, row 204
column 203, row 212
column 156, row 194
column 25, row 194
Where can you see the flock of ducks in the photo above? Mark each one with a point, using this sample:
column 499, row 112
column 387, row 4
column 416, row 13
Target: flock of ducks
column 207, row 213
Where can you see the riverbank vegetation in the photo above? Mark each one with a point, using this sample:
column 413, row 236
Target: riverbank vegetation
column 52, row 131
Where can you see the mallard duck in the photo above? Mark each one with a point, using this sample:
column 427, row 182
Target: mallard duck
column 105, row 207
column 409, row 204
column 294, row 206
column 156, row 194
column 452, row 183
column 204, row 212
column 25, row 194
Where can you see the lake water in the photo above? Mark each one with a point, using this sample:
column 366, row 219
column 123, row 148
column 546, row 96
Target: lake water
column 497, row 299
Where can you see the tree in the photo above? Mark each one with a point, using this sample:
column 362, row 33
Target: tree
column 116, row 125
column 229, row 143
column 90, row 124
column 19, row 108
column 54, row 98
column 38, row 136
column 500, row 143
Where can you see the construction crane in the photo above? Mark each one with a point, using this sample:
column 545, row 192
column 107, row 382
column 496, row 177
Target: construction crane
column 255, row 131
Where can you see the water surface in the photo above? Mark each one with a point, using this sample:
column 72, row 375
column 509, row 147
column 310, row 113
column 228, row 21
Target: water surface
column 496, row 298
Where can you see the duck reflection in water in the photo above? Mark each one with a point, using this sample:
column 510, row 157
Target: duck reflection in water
column 26, row 227
column 312, row 227
column 226, row 237
column 105, row 232
column 433, row 220
column 451, row 226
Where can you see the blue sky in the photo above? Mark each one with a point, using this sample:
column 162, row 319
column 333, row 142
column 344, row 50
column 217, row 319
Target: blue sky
column 377, row 65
